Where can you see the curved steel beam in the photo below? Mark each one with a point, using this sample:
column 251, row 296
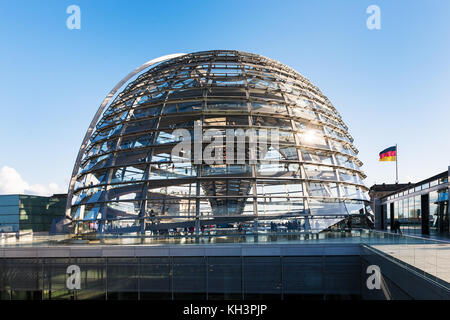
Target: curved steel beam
column 97, row 116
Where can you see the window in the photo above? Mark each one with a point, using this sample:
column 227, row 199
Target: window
column 425, row 186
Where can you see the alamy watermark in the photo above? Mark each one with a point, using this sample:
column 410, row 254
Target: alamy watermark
column 73, row 21
column 73, row 281
column 373, row 22
column 374, row 280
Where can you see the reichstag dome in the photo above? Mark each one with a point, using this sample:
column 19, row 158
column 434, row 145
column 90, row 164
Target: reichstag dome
column 127, row 177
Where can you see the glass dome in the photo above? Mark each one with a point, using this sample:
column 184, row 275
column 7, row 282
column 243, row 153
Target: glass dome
column 128, row 179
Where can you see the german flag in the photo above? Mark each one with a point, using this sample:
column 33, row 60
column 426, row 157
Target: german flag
column 389, row 154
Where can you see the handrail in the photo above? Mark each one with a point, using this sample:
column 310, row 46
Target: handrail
column 407, row 236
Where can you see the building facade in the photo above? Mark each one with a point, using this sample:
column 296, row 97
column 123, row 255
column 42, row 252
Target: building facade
column 421, row 208
column 378, row 191
column 30, row 213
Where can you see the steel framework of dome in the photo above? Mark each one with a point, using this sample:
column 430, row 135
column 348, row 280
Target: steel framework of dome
column 125, row 177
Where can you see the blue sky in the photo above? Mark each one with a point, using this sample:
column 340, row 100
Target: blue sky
column 390, row 85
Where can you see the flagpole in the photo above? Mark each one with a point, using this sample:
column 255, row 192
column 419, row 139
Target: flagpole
column 396, row 163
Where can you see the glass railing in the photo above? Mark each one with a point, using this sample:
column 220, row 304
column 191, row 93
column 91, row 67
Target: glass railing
column 355, row 235
column 236, row 237
column 428, row 257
